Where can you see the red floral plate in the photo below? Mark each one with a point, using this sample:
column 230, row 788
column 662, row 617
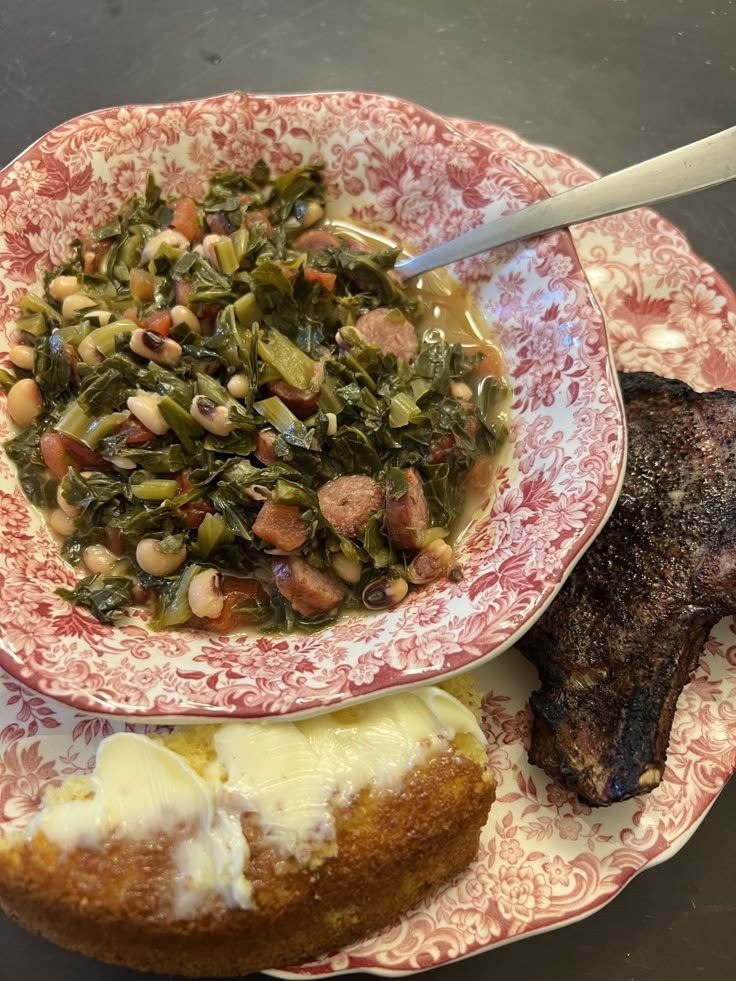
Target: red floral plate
column 397, row 165
column 545, row 859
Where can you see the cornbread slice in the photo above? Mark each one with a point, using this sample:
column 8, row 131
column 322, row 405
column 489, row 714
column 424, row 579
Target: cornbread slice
column 222, row 850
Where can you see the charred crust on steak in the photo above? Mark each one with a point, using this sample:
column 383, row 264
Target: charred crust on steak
column 626, row 631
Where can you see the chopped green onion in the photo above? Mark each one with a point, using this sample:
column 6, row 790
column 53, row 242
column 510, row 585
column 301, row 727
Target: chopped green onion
column 155, row 490
column 212, row 534
column 34, row 324
column 130, row 251
column 98, row 429
column 283, row 419
column 30, row 303
column 110, row 230
column 172, row 606
column 294, row 366
column 74, row 421
column 276, row 413
column 227, row 260
column 181, row 422
column 240, row 242
column 402, row 410
column 329, row 400
column 246, row 309
column 104, row 337
column 420, row 387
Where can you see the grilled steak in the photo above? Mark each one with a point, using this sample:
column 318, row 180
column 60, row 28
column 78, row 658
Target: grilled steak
column 618, row 644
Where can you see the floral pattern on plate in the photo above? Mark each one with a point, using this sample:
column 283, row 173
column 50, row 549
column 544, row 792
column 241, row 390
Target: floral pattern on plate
column 545, row 858
column 399, row 166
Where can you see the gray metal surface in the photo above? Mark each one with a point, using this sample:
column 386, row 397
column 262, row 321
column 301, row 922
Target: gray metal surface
column 610, row 81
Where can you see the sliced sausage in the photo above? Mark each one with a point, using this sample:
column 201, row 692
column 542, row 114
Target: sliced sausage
column 391, row 331
column 315, row 240
column 311, row 592
column 281, row 526
column 407, row 517
column 301, row 401
column 347, row 502
column 265, row 442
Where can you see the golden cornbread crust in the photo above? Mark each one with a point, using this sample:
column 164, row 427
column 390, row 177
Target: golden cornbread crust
column 393, row 849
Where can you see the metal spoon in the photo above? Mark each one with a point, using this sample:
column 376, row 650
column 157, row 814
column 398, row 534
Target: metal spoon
column 691, row 168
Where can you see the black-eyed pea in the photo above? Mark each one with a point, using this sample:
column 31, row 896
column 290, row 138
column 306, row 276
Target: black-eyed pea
column 211, row 416
column 70, row 509
column 381, row 594
column 88, row 351
column 157, row 561
column 306, row 214
column 99, row 559
column 206, row 598
column 155, row 347
column 25, row 402
column 169, row 236
column 183, row 315
column 144, row 407
column 346, row 569
column 74, row 303
column 61, row 523
column 61, row 287
column 21, row 356
column 239, row 386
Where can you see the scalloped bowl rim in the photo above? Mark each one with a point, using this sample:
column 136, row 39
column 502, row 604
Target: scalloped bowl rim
column 209, row 712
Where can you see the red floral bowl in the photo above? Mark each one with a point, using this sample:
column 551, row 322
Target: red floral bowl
column 401, row 167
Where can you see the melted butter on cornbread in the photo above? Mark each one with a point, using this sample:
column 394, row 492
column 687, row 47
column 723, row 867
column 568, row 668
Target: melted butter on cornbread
column 290, row 776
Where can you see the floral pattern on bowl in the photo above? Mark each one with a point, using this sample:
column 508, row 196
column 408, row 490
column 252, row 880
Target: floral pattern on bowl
column 399, row 166
column 545, row 859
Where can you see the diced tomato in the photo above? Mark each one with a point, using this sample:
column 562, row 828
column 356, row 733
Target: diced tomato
column 159, row 321
column 327, row 279
column 60, row 452
column 253, row 217
column 194, row 512
column 182, row 479
column 132, row 314
column 237, row 591
column 183, row 291
column 142, row 285
column 185, row 217
column 135, row 432
column 219, row 225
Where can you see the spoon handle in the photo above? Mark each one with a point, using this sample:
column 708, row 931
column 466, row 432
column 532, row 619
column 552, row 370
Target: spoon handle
column 690, row 168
